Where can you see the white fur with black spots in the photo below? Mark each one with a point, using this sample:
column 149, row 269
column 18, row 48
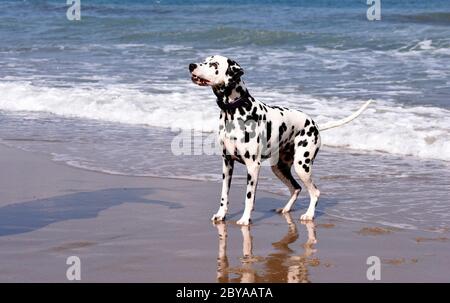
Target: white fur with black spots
column 251, row 132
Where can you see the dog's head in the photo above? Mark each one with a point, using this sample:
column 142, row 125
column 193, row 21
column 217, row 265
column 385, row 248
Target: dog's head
column 215, row 71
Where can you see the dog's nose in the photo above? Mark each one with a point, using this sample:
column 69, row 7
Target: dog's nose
column 192, row 66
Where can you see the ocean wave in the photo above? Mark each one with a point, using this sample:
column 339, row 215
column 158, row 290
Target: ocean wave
column 385, row 127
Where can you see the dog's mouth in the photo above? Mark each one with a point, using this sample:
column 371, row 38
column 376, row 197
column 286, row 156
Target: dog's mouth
column 199, row 81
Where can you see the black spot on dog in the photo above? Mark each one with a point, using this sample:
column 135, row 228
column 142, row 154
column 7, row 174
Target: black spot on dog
column 248, row 105
column 307, row 122
column 249, row 195
column 315, row 153
column 299, row 162
column 223, row 176
column 254, row 157
column 307, row 160
column 290, row 135
column 269, row 130
column 247, row 155
column 221, row 204
column 312, row 130
column 254, row 116
column 306, row 154
column 306, row 168
column 303, row 143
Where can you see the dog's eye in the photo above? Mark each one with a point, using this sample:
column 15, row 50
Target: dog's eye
column 214, row 64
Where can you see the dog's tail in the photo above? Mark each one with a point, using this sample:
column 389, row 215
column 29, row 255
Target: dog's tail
column 346, row 120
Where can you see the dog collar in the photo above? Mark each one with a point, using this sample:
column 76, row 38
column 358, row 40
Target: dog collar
column 235, row 104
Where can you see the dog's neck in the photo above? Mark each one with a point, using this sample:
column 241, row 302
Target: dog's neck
column 234, row 91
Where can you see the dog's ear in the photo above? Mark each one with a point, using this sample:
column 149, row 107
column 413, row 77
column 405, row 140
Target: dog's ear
column 234, row 72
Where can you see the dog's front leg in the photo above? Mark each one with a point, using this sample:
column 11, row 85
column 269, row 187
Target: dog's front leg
column 253, row 168
column 227, row 173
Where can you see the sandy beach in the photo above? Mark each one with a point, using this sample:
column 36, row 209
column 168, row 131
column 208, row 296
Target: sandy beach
column 142, row 229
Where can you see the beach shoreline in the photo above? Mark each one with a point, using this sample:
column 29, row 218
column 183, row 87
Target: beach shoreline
column 144, row 229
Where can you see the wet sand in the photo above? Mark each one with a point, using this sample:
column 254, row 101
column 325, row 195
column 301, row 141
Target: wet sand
column 141, row 229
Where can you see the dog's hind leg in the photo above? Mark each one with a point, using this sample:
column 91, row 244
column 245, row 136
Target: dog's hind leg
column 306, row 148
column 227, row 173
column 283, row 172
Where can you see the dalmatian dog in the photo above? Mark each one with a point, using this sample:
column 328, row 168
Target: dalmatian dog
column 251, row 132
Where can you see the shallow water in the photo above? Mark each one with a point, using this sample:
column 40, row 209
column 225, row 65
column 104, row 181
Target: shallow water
column 398, row 191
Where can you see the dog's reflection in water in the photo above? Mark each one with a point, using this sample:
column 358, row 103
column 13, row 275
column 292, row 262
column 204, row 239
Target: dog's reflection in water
column 283, row 265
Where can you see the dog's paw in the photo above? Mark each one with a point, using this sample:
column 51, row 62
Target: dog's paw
column 244, row 221
column 218, row 217
column 306, row 217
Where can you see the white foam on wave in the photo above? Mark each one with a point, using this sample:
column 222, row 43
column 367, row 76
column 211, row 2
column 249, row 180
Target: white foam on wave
column 388, row 127
column 167, row 106
column 418, row 131
column 420, row 48
column 425, row 45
